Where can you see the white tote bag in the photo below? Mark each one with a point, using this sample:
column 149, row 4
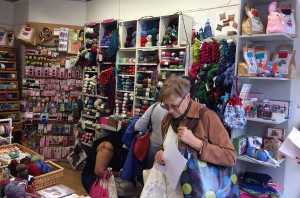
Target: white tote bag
column 112, row 188
column 157, row 186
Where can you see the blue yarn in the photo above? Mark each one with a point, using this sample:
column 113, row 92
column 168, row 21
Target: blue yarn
column 44, row 166
column 15, row 190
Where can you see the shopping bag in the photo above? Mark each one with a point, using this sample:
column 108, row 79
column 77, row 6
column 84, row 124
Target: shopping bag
column 142, row 144
column 104, row 187
column 203, row 179
column 234, row 115
column 157, row 186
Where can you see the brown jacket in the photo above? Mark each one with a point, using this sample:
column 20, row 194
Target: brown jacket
column 217, row 146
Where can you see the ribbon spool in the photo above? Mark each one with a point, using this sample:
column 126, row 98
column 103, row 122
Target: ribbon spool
column 46, row 34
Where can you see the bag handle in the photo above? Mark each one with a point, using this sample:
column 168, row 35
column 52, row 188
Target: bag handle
column 260, row 47
column 150, row 122
column 234, row 88
column 285, row 4
column 288, row 47
column 248, row 45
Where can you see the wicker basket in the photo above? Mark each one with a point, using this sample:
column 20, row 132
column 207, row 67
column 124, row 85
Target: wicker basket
column 22, row 148
column 49, row 179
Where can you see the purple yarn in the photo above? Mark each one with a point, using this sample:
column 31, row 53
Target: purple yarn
column 15, row 189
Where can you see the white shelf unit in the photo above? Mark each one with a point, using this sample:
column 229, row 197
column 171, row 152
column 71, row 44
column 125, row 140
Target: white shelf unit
column 123, row 26
column 269, row 87
column 184, row 24
column 140, row 22
column 269, row 163
column 266, row 121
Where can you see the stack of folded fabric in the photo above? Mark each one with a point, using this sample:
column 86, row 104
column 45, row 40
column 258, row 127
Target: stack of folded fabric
column 258, row 185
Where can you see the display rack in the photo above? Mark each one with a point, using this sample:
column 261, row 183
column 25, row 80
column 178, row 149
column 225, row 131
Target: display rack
column 9, row 86
column 268, row 86
column 9, row 120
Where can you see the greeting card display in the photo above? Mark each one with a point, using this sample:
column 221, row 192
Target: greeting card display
column 290, row 15
column 285, row 57
column 252, row 23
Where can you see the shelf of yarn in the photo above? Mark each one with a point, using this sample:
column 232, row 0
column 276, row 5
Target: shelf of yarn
column 93, row 69
column 174, row 29
column 89, row 84
column 125, row 83
column 8, row 65
column 127, row 49
column 266, row 121
column 7, row 54
column 141, row 105
column 8, row 75
column 144, row 86
column 147, row 58
column 275, row 37
column 95, row 96
column 87, row 138
column 94, row 108
column 128, row 34
column 262, row 163
column 124, row 104
column 107, row 29
column 262, row 78
column 147, row 32
column 172, row 61
column 127, row 70
column 91, row 34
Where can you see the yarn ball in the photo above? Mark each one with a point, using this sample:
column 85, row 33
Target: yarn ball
column 36, row 158
column 22, row 170
column 25, row 160
column 42, row 165
column 257, row 153
column 13, row 167
column 34, row 170
column 15, row 189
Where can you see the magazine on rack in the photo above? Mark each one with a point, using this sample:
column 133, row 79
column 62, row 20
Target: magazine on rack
column 77, row 156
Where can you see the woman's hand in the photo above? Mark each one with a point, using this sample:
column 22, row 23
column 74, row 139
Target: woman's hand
column 185, row 135
column 159, row 157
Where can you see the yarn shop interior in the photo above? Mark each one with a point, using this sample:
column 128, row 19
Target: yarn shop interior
column 81, row 93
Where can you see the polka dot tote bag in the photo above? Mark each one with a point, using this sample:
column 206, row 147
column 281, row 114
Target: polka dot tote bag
column 201, row 179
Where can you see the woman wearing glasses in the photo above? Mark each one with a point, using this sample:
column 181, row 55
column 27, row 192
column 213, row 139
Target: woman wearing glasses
column 207, row 138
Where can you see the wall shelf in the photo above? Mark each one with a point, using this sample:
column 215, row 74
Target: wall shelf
column 126, row 75
column 147, row 72
column 265, row 121
column 245, row 158
column 144, row 98
column 125, row 91
column 128, row 49
column 90, row 128
column 276, row 37
column 262, row 78
column 147, row 64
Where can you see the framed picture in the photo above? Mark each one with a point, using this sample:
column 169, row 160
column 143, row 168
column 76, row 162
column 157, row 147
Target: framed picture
column 275, row 133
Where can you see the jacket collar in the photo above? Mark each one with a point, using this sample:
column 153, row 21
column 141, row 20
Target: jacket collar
column 194, row 110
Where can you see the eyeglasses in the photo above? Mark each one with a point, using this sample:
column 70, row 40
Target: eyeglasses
column 173, row 107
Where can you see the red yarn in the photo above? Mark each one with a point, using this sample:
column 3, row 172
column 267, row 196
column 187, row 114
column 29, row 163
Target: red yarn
column 94, row 48
column 143, row 39
column 34, row 170
column 205, row 55
column 215, row 47
column 194, row 70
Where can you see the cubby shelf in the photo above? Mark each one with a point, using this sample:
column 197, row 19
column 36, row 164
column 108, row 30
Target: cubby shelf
column 147, row 72
column 254, row 161
column 128, row 49
column 126, row 63
column 278, row 37
column 143, row 98
column 126, row 75
column 125, row 91
column 178, row 70
column 265, row 121
column 147, row 64
column 90, row 128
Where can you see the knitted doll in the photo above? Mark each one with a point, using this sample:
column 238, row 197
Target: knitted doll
column 207, row 29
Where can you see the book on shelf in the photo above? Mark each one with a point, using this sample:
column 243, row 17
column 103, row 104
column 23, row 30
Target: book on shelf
column 55, row 191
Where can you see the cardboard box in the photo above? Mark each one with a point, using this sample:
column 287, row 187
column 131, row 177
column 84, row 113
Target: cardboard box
column 240, row 144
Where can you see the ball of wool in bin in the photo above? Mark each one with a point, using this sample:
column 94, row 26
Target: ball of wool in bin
column 34, row 170
column 15, row 189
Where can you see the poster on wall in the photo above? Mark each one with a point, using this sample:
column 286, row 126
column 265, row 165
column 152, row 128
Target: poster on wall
column 226, row 23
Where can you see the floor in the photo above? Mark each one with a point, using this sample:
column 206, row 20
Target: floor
column 72, row 179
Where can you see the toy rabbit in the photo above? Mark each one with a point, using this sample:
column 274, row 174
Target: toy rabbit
column 276, row 21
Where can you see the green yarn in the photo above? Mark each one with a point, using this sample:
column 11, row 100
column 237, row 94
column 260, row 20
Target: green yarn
column 196, row 51
column 36, row 158
column 201, row 94
column 212, row 72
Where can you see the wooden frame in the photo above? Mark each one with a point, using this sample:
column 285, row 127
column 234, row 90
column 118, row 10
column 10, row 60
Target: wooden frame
column 11, row 102
column 272, row 132
column 14, row 68
column 9, row 72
